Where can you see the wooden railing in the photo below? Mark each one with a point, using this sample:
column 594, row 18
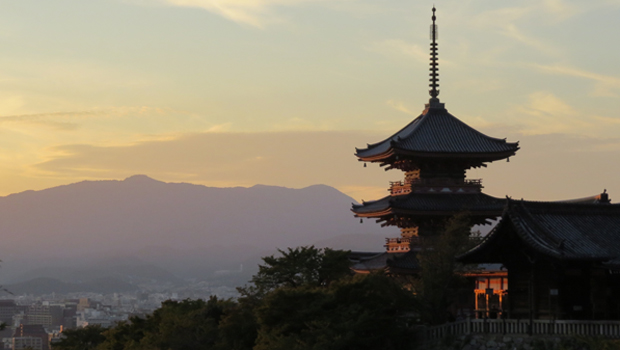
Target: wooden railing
column 408, row 240
column 399, row 187
column 400, row 244
column 607, row 329
column 404, row 187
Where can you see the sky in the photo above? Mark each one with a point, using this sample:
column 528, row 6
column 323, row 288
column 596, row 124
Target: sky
column 280, row 92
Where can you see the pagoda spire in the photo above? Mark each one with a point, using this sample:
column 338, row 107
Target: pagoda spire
column 434, row 91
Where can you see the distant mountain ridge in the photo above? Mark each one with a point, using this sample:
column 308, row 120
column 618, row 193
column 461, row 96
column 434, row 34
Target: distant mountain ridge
column 183, row 228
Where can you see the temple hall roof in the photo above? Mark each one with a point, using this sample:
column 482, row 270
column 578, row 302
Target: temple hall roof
column 368, row 262
column 561, row 230
column 437, row 133
column 393, row 262
column 407, row 262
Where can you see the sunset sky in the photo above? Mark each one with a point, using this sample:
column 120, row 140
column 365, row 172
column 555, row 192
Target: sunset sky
column 280, row 92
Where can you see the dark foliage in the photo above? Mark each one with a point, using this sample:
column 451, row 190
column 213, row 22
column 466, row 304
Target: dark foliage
column 189, row 324
column 363, row 312
column 302, row 266
column 306, row 298
column 85, row 338
column 440, row 274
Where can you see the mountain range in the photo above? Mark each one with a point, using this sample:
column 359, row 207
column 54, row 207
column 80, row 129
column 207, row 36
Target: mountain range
column 141, row 228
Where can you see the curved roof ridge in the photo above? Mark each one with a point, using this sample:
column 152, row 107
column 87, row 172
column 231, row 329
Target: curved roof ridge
column 449, row 118
column 393, row 136
column 365, row 203
column 515, row 210
column 579, row 207
column 437, row 131
column 581, row 231
column 479, row 132
column 488, row 238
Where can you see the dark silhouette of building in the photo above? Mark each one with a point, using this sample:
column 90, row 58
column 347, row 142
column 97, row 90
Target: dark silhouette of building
column 554, row 260
column 434, row 151
column 563, row 259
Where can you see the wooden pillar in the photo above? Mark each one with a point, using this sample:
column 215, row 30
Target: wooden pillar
column 487, row 312
column 532, row 297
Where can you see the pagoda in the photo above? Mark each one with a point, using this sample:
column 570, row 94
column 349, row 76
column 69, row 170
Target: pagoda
column 434, row 151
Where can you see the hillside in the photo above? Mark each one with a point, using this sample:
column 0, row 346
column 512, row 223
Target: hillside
column 189, row 230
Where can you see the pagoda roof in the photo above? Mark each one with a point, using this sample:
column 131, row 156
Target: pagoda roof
column 431, row 204
column 561, row 230
column 437, row 133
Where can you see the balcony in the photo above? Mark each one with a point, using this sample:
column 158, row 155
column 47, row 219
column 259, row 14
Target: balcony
column 435, row 184
column 401, row 244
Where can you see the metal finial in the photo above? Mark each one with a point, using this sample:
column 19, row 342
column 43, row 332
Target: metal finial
column 434, row 92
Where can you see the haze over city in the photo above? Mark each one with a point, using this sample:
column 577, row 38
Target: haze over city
column 238, row 93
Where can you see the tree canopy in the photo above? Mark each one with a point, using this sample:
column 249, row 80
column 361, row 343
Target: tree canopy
column 304, row 298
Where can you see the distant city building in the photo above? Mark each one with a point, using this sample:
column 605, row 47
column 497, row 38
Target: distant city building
column 8, row 308
column 30, row 337
column 83, row 304
column 49, row 316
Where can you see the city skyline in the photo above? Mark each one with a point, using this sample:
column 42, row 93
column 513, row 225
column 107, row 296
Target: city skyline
column 277, row 92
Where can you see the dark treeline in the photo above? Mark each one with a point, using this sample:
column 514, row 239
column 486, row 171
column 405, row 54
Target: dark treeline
column 305, row 298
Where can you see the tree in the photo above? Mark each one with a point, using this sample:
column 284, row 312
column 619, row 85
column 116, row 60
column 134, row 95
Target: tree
column 306, row 298
column 85, row 338
column 295, row 268
column 300, row 267
column 359, row 312
column 188, row 324
column 440, row 273
column 238, row 327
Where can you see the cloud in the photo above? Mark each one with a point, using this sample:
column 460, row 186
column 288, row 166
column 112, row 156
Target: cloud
column 549, row 114
column 292, row 159
column 562, row 163
column 605, row 84
column 256, row 13
column 399, row 106
column 501, row 17
column 391, row 47
column 561, row 10
column 504, row 21
column 607, row 120
column 512, row 31
column 398, row 46
column 11, row 104
column 546, row 113
column 68, row 120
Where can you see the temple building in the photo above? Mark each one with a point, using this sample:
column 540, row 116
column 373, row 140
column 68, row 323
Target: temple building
column 543, row 260
column 563, row 259
column 434, row 151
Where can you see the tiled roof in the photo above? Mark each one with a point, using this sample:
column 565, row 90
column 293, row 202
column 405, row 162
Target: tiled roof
column 378, row 261
column 433, row 202
column 381, row 261
column 561, row 230
column 438, row 131
column 407, row 261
